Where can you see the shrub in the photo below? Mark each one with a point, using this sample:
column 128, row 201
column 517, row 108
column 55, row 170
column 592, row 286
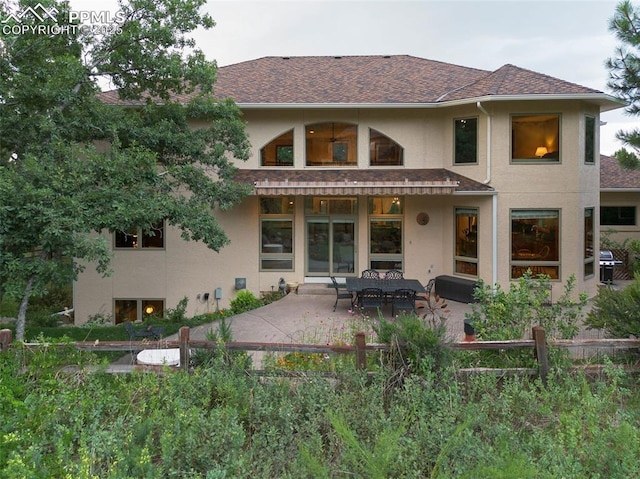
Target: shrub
column 502, row 315
column 245, row 300
column 617, row 312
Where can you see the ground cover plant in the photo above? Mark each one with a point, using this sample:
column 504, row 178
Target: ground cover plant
column 220, row 422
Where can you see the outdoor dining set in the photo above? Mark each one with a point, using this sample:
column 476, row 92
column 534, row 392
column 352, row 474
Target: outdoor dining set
column 374, row 290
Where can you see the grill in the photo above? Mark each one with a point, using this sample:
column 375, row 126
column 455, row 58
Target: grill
column 607, row 259
column 607, row 263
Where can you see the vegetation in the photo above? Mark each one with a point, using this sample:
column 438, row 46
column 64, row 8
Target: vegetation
column 72, row 165
column 221, row 422
column 617, row 312
column 624, row 76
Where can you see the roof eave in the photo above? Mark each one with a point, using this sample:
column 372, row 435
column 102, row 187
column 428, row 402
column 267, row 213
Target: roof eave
column 619, row 190
column 606, row 102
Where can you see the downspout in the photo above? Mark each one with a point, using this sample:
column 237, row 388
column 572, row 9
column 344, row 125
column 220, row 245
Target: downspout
column 494, row 204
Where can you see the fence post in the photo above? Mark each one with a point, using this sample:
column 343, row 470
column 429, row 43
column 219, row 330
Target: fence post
column 183, row 338
column 539, row 337
column 5, row 340
column 361, row 351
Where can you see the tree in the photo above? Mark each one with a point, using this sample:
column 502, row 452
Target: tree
column 76, row 162
column 624, row 76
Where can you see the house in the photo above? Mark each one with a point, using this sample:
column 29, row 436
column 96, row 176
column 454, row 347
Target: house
column 385, row 162
column 619, row 200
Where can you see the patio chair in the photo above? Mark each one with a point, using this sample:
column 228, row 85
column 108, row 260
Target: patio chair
column 370, row 274
column 394, row 274
column 341, row 292
column 152, row 332
column 371, row 298
column 403, row 300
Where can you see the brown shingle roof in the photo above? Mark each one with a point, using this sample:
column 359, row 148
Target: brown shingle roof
column 613, row 176
column 425, row 175
column 396, row 79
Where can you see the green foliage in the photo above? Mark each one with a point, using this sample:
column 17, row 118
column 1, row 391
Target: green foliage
column 624, row 75
column 245, row 300
column 220, row 421
column 416, row 345
column 502, row 315
column 617, row 311
column 58, row 189
column 178, row 314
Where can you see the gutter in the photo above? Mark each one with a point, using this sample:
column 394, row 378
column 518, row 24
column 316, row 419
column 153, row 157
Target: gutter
column 494, row 204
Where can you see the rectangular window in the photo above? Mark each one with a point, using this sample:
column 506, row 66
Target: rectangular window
column 590, row 140
column 138, row 309
column 137, row 238
column 466, row 141
column 535, row 242
column 385, row 233
column 589, row 259
column 535, row 138
column 618, row 215
column 466, row 254
column 276, row 233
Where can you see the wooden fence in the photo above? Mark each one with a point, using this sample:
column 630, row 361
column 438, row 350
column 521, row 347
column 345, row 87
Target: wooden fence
column 538, row 345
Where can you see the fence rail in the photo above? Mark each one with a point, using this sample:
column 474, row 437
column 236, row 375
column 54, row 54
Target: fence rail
column 539, row 346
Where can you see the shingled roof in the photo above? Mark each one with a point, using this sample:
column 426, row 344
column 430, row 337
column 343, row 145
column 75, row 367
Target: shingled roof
column 614, row 177
column 377, row 80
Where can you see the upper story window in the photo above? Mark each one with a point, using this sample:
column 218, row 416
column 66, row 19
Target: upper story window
column 465, row 141
column 279, row 151
column 331, row 144
column 535, row 138
column 136, row 238
column 590, row 140
column 383, row 151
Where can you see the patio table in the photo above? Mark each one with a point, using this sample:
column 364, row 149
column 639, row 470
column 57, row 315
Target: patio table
column 356, row 285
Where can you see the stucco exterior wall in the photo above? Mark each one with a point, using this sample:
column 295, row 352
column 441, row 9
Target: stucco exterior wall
column 189, row 269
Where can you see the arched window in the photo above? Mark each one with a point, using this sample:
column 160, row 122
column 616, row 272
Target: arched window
column 279, row 151
column 383, row 150
column 332, row 144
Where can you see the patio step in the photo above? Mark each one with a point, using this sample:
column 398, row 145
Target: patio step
column 315, row 288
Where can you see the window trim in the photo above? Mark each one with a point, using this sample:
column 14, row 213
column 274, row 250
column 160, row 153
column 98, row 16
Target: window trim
column 530, row 160
column 141, row 235
column 528, row 263
column 589, row 259
column 586, row 140
column 140, row 316
column 275, row 256
column 466, row 259
column 477, row 146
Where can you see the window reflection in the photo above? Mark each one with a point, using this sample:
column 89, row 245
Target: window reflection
column 279, row 151
column 535, row 242
column 466, row 241
column 331, row 144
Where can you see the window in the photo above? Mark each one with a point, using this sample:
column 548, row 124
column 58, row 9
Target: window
column 136, row 238
column 535, row 138
column 278, row 152
column 466, row 256
column 465, row 141
column 589, row 261
column 331, row 144
column 385, row 233
column 590, row 140
column 535, row 242
column 383, row 150
column 135, row 309
column 618, row 215
column 276, row 232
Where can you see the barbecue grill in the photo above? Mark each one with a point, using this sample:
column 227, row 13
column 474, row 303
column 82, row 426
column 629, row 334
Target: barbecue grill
column 607, row 263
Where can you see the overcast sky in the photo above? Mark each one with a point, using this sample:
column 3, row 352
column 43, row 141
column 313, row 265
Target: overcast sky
column 566, row 39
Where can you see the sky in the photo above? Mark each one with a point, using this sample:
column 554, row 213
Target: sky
column 567, row 39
